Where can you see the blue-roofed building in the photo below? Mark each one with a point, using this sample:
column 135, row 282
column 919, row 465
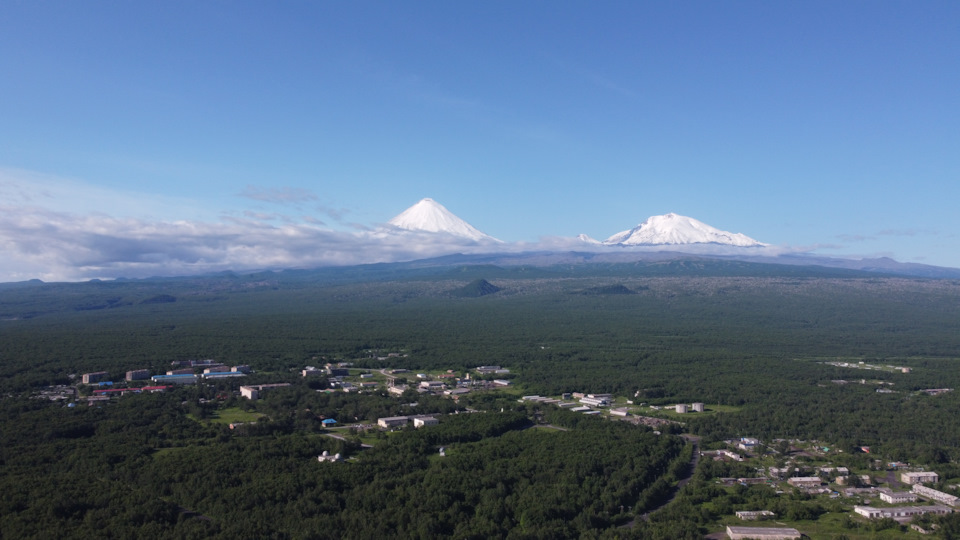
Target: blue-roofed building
column 329, row 422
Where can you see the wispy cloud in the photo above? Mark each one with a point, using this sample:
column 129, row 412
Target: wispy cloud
column 278, row 195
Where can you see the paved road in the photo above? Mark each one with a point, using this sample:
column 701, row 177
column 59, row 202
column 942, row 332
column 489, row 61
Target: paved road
column 694, row 460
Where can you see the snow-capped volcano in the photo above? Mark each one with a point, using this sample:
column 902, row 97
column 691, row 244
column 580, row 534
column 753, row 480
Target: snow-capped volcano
column 430, row 216
column 672, row 229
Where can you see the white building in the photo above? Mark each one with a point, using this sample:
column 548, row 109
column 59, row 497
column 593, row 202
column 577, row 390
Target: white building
column 697, row 407
column 681, row 407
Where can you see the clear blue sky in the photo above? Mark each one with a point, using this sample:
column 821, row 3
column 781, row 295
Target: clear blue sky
column 826, row 126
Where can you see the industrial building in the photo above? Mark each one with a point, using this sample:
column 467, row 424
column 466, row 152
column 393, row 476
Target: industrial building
column 900, row 513
column 425, row 421
column 762, row 533
column 186, row 378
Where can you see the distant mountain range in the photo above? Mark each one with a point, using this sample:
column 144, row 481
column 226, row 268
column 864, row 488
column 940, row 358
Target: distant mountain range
column 677, row 237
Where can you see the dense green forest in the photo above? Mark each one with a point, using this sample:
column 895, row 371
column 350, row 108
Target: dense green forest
column 755, row 339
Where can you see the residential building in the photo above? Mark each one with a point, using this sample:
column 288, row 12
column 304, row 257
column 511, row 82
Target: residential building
column 96, row 376
column 762, row 533
column 253, row 392
column 922, row 477
column 138, row 375
column 804, row 481
column 932, row 494
column 896, row 497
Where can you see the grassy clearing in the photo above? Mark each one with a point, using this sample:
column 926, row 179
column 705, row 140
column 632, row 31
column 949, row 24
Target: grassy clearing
column 234, row 415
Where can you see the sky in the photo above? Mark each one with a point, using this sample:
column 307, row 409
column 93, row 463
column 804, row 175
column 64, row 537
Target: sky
column 181, row 137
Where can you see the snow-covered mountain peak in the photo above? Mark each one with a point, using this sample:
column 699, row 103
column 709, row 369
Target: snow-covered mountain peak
column 430, row 216
column 673, row 229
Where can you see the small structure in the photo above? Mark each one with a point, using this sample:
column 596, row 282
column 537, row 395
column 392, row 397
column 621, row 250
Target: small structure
column 619, row 412
column 697, row 407
column 762, row 533
column 922, row 477
column 595, row 401
column 329, row 422
column 747, row 443
column 502, row 382
column 681, row 408
column 424, row 421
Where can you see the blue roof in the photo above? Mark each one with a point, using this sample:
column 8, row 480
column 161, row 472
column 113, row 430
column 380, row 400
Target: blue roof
column 329, row 421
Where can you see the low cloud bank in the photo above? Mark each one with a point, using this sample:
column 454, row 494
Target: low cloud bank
column 60, row 246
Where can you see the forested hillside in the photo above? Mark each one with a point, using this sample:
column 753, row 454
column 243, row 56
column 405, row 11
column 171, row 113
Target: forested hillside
column 754, row 346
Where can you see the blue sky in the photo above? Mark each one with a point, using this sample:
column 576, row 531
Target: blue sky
column 128, row 129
